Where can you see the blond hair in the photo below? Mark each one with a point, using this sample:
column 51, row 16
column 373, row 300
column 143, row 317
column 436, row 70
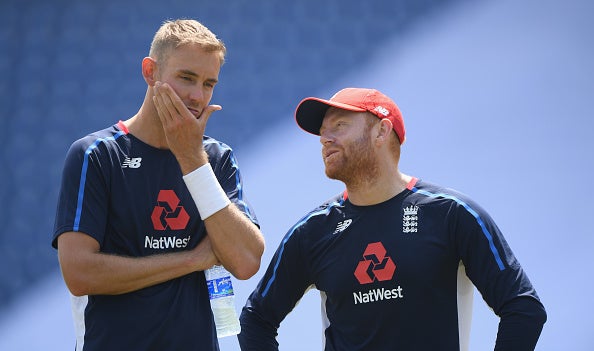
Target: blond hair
column 175, row 33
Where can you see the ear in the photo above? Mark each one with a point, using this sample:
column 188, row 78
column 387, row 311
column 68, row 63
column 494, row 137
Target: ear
column 384, row 130
column 149, row 69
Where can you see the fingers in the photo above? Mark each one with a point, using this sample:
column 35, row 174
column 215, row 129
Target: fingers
column 169, row 105
column 183, row 126
column 208, row 111
column 205, row 254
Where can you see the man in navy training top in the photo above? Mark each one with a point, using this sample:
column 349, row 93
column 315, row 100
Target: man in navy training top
column 149, row 203
column 387, row 253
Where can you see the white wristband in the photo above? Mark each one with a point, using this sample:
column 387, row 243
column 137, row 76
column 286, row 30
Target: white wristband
column 206, row 191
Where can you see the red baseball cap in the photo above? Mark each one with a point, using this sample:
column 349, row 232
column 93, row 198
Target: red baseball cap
column 311, row 111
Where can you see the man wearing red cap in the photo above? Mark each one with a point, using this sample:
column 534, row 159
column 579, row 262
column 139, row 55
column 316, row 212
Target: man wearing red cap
column 387, row 253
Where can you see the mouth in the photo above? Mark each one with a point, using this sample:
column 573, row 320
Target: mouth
column 195, row 112
column 327, row 154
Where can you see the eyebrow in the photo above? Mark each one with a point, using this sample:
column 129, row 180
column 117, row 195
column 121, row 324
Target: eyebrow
column 193, row 74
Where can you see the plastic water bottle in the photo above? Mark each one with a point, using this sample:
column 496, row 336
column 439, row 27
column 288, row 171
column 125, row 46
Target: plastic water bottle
column 222, row 301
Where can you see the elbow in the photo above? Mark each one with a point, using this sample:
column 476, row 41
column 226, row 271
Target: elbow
column 534, row 310
column 526, row 310
column 541, row 315
column 77, row 282
column 77, row 287
column 77, row 292
column 248, row 268
column 246, row 271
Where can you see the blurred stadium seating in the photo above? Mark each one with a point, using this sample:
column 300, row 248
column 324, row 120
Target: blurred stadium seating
column 71, row 67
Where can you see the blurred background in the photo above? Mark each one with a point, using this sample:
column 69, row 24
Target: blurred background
column 496, row 97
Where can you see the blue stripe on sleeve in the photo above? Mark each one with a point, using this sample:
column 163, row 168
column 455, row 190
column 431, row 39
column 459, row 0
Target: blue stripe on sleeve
column 83, row 176
column 475, row 215
column 288, row 236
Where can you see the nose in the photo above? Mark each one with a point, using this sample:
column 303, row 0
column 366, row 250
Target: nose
column 197, row 95
column 325, row 137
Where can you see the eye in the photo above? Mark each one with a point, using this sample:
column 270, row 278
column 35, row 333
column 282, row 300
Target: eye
column 210, row 84
column 187, row 78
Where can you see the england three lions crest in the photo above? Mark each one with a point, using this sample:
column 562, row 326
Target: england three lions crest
column 410, row 219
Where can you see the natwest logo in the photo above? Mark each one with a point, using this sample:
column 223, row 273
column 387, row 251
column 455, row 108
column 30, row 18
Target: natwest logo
column 168, row 214
column 375, row 265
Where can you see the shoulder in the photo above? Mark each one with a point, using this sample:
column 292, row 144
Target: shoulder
column 322, row 212
column 95, row 143
column 215, row 147
column 314, row 224
column 432, row 194
column 220, row 155
column 435, row 192
column 333, row 203
column 103, row 136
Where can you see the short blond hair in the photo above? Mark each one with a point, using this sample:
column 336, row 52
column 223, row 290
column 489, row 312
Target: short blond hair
column 175, row 33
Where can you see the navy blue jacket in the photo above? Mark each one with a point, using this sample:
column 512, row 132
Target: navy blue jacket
column 132, row 199
column 387, row 275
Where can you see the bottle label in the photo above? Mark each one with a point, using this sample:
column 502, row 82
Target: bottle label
column 220, row 287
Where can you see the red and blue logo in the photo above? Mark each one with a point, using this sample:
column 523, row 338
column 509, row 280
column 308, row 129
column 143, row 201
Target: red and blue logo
column 376, row 265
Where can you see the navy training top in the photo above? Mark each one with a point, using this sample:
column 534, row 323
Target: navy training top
column 132, row 199
column 387, row 273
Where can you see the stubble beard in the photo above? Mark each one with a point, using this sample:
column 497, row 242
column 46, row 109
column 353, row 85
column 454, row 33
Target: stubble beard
column 357, row 166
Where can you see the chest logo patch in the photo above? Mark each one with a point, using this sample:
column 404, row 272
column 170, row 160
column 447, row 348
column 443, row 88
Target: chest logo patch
column 410, row 219
column 133, row 162
column 168, row 214
column 342, row 225
column 376, row 265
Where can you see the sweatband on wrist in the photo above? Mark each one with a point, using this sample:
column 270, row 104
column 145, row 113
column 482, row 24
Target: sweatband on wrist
column 206, row 191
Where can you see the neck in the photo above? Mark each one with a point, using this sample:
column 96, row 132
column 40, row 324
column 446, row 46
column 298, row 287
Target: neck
column 382, row 188
column 146, row 126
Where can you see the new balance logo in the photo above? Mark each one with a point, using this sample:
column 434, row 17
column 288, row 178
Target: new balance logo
column 131, row 162
column 342, row 225
column 382, row 110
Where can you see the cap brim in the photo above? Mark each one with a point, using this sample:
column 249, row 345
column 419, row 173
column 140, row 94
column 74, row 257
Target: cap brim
column 311, row 111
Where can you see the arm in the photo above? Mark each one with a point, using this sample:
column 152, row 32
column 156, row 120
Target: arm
column 285, row 282
column 495, row 271
column 256, row 333
column 87, row 271
column 236, row 241
column 521, row 322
